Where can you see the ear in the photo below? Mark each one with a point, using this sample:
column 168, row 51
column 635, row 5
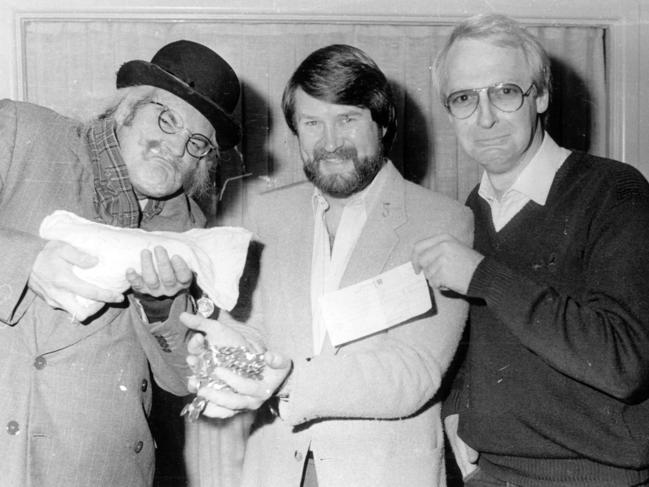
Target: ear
column 542, row 101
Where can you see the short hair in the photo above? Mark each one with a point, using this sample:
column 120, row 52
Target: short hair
column 344, row 75
column 123, row 108
column 501, row 31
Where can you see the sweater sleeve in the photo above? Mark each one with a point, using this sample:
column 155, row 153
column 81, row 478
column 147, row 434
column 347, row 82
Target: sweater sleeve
column 599, row 334
column 456, row 380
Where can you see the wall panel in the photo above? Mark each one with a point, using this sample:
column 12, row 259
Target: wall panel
column 68, row 64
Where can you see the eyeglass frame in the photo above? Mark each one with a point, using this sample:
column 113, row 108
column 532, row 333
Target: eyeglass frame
column 524, row 94
column 166, row 109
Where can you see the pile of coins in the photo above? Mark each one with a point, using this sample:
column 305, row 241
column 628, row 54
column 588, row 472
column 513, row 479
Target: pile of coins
column 237, row 359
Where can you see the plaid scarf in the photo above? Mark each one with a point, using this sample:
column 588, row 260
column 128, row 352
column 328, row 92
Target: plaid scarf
column 115, row 200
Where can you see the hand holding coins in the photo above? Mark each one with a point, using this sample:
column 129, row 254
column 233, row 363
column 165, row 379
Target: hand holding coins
column 236, row 359
column 232, row 371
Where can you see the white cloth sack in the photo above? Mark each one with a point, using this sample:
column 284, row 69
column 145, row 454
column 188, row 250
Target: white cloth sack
column 216, row 255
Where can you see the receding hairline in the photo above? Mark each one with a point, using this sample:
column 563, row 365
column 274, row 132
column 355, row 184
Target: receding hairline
column 496, row 40
column 502, row 31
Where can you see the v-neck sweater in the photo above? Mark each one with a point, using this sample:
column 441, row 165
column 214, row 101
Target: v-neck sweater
column 555, row 385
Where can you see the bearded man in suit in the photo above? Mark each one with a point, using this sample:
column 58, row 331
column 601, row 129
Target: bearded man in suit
column 365, row 412
column 75, row 391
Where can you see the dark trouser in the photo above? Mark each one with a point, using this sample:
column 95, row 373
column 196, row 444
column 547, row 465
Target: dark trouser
column 309, row 478
column 478, row 478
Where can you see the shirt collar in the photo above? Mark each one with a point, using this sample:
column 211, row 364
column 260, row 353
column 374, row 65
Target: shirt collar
column 536, row 178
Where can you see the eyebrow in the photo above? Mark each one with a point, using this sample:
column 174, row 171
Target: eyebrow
column 352, row 111
column 497, row 83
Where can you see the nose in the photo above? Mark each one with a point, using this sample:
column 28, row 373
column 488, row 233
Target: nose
column 176, row 143
column 486, row 111
column 331, row 138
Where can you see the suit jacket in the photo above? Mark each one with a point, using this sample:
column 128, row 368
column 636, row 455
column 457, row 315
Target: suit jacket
column 368, row 409
column 74, row 397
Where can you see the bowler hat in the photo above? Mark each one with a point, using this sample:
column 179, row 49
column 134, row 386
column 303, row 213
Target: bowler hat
column 196, row 74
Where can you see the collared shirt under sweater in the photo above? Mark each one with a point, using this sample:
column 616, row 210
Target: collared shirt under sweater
column 555, row 386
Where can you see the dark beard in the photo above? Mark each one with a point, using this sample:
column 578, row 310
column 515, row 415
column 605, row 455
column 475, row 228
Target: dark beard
column 343, row 185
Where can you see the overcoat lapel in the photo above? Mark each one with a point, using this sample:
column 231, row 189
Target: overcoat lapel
column 58, row 334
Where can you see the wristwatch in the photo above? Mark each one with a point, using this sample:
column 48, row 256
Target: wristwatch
column 279, row 400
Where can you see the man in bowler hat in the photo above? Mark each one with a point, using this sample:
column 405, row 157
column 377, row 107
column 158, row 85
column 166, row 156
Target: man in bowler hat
column 75, row 392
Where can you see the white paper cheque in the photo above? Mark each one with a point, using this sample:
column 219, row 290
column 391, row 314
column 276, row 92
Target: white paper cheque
column 375, row 304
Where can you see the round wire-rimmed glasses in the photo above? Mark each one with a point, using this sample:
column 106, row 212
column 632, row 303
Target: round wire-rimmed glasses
column 170, row 122
column 506, row 97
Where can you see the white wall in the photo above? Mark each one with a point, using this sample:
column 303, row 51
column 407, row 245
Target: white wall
column 627, row 21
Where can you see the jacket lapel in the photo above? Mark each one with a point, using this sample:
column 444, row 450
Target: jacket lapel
column 291, row 232
column 379, row 237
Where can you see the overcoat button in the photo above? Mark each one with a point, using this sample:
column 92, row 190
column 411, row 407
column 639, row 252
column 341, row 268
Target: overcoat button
column 13, row 428
column 40, row 362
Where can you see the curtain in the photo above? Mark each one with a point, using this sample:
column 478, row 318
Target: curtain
column 70, row 65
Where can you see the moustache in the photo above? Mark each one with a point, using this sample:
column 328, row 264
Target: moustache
column 173, row 161
column 344, row 153
column 156, row 150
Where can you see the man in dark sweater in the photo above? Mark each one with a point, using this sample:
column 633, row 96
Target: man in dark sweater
column 554, row 389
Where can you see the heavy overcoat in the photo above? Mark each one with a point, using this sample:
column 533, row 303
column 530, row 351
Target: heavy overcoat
column 74, row 397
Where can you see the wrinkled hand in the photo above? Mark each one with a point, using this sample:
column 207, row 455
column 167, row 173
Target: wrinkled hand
column 53, row 279
column 172, row 275
column 465, row 456
column 245, row 394
column 447, row 263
